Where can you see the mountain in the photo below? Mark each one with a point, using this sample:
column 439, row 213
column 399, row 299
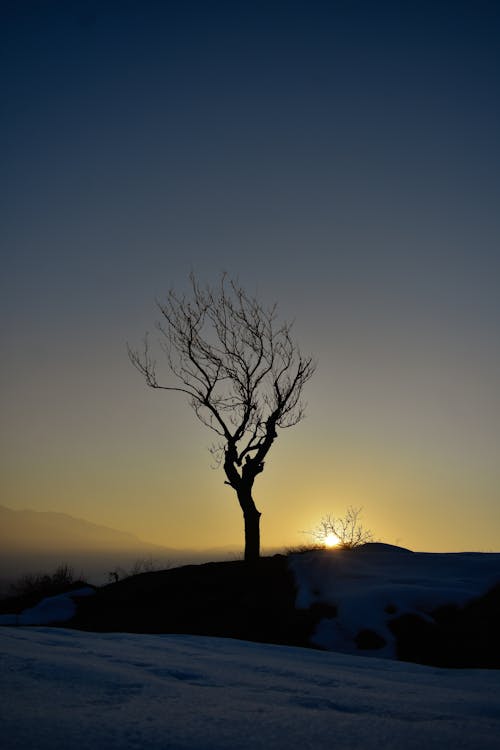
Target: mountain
column 45, row 531
column 38, row 541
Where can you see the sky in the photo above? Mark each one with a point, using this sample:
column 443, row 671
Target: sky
column 340, row 159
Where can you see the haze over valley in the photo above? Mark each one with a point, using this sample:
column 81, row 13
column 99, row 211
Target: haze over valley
column 33, row 542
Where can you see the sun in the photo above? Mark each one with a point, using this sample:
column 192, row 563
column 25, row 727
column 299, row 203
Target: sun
column 331, row 540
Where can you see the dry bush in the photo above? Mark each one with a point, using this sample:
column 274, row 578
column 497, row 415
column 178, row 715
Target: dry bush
column 347, row 528
column 45, row 584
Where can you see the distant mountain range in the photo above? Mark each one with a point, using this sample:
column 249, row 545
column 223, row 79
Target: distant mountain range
column 42, row 530
column 37, row 541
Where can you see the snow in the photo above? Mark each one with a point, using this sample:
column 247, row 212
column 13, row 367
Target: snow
column 60, row 608
column 64, row 689
column 377, row 582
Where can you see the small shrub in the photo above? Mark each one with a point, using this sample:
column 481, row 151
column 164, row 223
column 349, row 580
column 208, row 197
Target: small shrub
column 42, row 585
column 142, row 565
column 347, row 529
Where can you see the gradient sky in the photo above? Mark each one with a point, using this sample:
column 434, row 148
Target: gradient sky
column 339, row 158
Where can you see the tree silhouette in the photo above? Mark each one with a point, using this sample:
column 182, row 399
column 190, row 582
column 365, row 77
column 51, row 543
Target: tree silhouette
column 244, row 376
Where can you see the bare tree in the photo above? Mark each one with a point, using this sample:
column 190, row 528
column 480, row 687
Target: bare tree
column 347, row 529
column 243, row 374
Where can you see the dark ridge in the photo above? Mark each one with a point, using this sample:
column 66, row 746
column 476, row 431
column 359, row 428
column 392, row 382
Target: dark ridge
column 226, row 599
column 461, row 637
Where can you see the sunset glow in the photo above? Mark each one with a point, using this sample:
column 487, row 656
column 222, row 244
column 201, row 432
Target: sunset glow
column 331, row 540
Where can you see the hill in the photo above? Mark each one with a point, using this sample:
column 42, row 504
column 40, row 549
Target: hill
column 378, row 600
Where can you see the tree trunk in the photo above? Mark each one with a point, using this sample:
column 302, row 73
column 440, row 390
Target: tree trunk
column 252, row 535
column 251, row 517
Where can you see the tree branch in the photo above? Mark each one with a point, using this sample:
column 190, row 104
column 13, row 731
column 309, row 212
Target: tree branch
column 243, row 373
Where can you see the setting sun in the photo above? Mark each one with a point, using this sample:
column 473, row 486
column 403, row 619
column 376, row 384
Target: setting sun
column 331, row 540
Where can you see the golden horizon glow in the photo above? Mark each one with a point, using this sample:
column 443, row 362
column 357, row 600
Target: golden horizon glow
column 331, row 540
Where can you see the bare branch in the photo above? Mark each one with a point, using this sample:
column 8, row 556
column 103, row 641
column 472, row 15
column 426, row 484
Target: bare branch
column 347, row 529
column 240, row 368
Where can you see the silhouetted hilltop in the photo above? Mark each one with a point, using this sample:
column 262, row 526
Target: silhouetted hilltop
column 228, row 599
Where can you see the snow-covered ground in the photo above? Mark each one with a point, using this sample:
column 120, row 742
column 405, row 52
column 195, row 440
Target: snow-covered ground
column 62, row 689
column 367, row 586
column 52, row 609
column 67, row 690
column 377, row 582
